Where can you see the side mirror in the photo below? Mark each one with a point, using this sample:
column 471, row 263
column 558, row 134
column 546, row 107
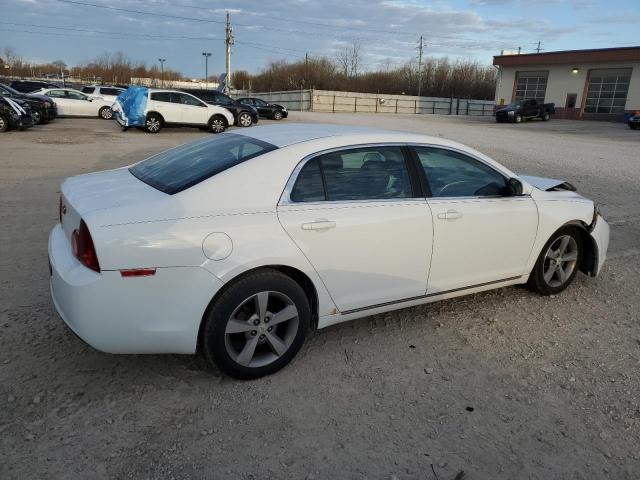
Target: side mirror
column 514, row 187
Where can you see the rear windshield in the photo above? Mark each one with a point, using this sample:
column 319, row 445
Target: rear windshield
column 187, row 165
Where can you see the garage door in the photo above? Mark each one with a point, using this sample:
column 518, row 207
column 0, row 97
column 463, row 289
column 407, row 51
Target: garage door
column 531, row 85
column 607, row 92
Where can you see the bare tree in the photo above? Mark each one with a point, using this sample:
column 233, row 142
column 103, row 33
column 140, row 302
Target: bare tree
column 349, row 59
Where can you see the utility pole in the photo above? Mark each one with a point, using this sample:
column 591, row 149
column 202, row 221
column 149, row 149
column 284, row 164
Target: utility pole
column 538, row 49
column 228, row 42
column 162, row 60
column 420, row 47
column 306, row 69
column 519, row 50
column 206, row 67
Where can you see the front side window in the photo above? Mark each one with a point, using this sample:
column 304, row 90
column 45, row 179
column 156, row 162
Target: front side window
column 187, row 165
column 368, row 173
column 453, row 174
column 186, row 99
column 260, row 103
column 76, row 95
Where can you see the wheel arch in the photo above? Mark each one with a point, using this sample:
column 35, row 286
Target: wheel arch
column 295, row 274
column 589, row 262
column 220, row 115
column 153, row 112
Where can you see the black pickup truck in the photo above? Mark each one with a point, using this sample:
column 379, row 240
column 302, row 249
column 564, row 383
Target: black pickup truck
column 525, row 109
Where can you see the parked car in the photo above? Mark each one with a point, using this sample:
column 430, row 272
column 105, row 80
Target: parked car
column 238, row 245
column 43, row 109
column 154, row 109
column 73, row 103
column 634, row 121
column 525, row 110
column 14, row 113
column 243, row 115
column 28, row 86
column 108, row 93
column 266, row 109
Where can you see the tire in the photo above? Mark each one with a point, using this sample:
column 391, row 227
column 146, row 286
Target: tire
column 217, row 124
column 633, row 127
column 245, row 344
column 4, row 124
column 37, row 117
column 153, row 123
column 105, row 113
column 277, row 115
column 518, row 119
column 545, row 117
column 546, row 278
column 245, row 119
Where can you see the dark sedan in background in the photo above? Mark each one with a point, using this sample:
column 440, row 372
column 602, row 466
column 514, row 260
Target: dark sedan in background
column 43, row 109
column 243, row 115
column 14, row 113
column 266, row 109
column 28, row 86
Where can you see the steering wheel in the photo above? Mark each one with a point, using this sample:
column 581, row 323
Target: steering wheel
column 451, row 186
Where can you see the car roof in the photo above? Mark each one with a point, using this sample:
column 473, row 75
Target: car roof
column 285, row 135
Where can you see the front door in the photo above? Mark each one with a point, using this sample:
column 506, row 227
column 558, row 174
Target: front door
column 354, row 215
column 481, row 233
column 192, row 110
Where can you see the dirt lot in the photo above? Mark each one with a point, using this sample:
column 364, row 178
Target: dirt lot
column 500, row 385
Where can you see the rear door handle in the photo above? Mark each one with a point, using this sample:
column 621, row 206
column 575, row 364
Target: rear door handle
column 320, row 224
column 450, row 215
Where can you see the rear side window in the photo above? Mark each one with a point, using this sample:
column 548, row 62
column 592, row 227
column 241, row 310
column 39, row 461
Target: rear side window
column 109, row 91
column 369, row 173
column 161, row 96
column 187, row 165
column 88, row 89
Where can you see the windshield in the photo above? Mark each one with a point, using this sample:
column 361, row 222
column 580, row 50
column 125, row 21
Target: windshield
column 516, row 104
column 13, row 91
column 187, row 165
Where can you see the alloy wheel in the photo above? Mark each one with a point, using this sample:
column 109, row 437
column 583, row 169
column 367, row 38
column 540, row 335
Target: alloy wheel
column 153, row 124
column 277, row 116
column 560, row 261
column 261, row 329
column 245, row 120
column 3, row 124
column 217, row 125
column 36, row 117
column 106, row 113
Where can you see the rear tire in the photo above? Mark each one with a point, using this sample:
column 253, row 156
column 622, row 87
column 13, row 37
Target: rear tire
column 105, row 113
column 545, row 117
column 217, row 124
column 518, row 119
column 257, row 325
column 153, row 123
column 245, row 119
column 4, row 124
column 558, row 262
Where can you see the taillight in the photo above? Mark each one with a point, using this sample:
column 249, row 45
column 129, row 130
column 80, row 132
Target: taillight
column 83, row 249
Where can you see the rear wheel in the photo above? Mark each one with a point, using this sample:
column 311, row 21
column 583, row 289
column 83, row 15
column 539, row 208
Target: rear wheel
column 4, row 124
column 217, row 124
column 558, row 262
column 105, row 113
column 244, row 119
column 153, row 123
column 277, row 115
column 37, row 117
column 545, row 116
column 518, row 118
column 257, row 325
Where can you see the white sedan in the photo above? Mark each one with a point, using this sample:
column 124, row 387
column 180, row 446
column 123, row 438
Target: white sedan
column 73, row 103
column 239, row 244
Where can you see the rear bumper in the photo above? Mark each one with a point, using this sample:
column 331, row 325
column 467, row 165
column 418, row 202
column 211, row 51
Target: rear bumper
column 157, row 314
column 600, row 236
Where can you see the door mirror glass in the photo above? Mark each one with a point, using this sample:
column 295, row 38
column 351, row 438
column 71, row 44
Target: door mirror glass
column 514, row 187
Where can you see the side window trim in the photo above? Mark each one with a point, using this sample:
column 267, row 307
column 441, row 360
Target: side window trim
column 423, row 175
column 417, row 194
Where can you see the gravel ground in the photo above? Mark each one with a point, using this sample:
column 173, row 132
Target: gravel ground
column 501, row 385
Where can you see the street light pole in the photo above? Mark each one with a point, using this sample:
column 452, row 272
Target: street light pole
column 162, row 60
column 206, row 67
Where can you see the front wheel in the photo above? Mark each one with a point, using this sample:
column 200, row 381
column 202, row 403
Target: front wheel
column 105, row 113
column 217, row 124
column 244, row 119
column 4, row 124
column 558, row 262
column 518, row 118
column 545, row 117
column 257, row 325
column 37, row 117
column 277, row 115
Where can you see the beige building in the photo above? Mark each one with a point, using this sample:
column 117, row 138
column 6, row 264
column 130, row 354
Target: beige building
column 602, row 84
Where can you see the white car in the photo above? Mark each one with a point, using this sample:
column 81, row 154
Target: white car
column 172, row 107
column 238, row 245
column 73, row 103
column 106, row 92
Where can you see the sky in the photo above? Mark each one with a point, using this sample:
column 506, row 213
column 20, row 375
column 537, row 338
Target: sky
column 387, row 30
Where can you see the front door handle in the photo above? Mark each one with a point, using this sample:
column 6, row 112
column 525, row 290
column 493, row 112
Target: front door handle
column 450, row 215
column 320, row 224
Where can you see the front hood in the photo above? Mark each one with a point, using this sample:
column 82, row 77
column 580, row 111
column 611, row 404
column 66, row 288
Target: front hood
column 505, row 110
column 547, row 184
column 107, row 189
column 42, row 98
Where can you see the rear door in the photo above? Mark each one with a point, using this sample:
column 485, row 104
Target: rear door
column 354, row 215
column 65, row 106
column 263, row 108
column 481, row 233
column 161, row 102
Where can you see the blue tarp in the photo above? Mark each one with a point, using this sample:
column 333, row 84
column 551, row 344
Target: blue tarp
column 131, row 105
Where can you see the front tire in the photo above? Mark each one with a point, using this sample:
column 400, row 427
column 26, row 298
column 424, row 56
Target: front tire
column 37, row 117
column 244, row 119
column 277, row 115
column 217, row 124
column 558, row 262
column 257, row 325
column 105, row 113
column 518, row 119
column 153, row 123
column 4, row 124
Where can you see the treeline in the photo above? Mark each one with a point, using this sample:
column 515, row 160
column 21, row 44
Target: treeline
column 106, row 68
column 440, row 78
